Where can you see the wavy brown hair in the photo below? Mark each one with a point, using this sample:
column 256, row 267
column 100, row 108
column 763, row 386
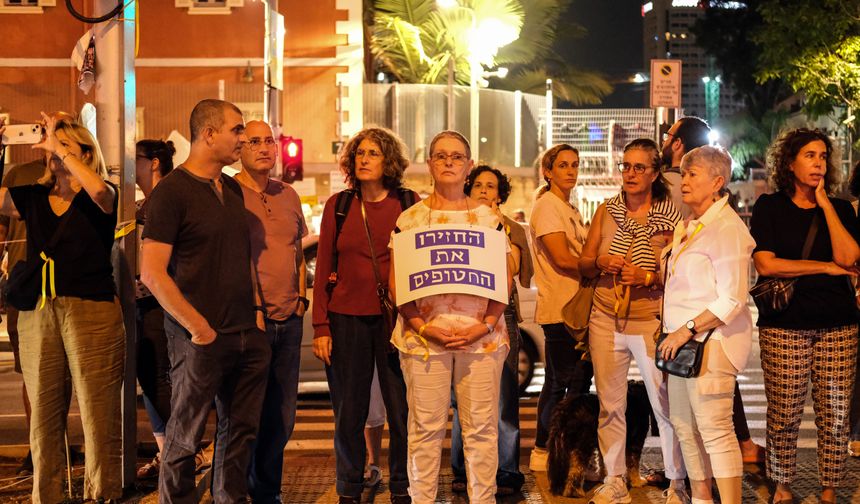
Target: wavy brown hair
column 394, row 161
column 660, row 187
column 783, row 152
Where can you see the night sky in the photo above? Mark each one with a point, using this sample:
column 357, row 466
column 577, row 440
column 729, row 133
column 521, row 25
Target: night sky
column 612, row 46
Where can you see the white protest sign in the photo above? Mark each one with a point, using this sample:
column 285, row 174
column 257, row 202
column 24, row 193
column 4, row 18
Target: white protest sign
column 450, row 259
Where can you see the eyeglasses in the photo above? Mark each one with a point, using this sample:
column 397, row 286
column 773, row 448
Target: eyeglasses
column 441, row 157
column 637, row 168
column 372, row 154
column 666, row 136
column 255, row 143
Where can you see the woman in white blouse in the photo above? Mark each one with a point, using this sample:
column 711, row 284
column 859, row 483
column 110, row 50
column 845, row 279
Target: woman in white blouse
column 706, row 289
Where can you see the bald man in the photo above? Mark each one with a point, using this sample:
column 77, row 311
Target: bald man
column 277, row 226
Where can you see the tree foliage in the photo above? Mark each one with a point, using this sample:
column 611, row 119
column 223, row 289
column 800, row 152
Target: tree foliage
column 414, row 40
column 814, row 47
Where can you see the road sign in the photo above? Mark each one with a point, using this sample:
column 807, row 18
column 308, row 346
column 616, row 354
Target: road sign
column 665, row 83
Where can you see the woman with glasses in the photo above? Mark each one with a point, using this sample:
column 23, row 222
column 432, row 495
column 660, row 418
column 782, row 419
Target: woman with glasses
column 558, row 235
column 626, row 238
column 349, row 334
column 452, row 339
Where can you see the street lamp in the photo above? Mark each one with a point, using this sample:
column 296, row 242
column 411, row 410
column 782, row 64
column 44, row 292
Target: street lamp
column 712, row 97
column 484, row 40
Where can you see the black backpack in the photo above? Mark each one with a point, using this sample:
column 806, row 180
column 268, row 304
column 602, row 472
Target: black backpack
column 341, row 209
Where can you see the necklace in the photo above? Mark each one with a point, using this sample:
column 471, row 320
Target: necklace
column 470, row 217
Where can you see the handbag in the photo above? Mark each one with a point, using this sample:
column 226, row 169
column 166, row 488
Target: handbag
column 687, row 362
column 772, row 296
column 29, row 279
column 389, row 310
column 577, row 312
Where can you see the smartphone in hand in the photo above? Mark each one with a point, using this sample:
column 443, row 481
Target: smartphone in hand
column 22, row 134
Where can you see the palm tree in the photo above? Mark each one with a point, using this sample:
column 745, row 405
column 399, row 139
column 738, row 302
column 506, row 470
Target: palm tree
column 413, row 40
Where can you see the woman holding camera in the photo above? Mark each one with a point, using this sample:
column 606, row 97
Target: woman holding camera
column 77, row 327
column 815, row 337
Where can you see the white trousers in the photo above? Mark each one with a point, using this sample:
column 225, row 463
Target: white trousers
column 475, row 378
column 611, row 352
column 702, row 416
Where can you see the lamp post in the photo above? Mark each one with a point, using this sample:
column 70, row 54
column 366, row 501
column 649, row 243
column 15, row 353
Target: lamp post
column 712, row 97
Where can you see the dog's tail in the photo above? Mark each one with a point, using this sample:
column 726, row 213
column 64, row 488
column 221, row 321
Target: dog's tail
column 558, row 460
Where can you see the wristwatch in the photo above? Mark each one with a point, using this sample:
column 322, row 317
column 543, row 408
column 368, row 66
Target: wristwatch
column 305, row 301
column 691, row 326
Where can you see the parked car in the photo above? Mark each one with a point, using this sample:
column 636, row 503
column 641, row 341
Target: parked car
column 312, row 378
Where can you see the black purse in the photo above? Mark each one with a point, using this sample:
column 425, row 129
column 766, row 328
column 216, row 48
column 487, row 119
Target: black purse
column 26, row 282
column 687, row 362
column 389, row 310
column 772, row 295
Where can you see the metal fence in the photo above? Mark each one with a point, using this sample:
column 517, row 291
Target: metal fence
column 416, row 112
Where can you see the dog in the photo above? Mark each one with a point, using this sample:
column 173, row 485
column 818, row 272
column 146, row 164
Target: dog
column 573, row 440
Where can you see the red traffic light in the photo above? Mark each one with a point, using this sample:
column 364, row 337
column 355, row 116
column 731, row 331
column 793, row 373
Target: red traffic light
column 291, row 154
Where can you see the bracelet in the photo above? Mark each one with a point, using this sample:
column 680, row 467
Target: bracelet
column 421, row 330
column 63, row 159
column 648, row 277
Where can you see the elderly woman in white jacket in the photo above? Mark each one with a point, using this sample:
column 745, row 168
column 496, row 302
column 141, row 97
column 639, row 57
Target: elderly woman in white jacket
column 706, row 289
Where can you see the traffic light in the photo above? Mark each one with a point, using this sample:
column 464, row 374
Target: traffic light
column 291, row 154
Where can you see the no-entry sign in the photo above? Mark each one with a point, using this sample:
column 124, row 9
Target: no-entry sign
column 665, row 83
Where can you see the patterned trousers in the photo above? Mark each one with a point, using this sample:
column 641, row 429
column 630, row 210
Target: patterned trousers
column 789, row 359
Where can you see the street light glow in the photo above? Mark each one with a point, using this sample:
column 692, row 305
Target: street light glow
column 447, row 4
column 713, row 137
column 706, row 79
column 490, row 35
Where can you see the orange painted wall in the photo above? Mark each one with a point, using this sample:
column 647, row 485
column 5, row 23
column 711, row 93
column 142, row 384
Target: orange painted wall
column 167, row 94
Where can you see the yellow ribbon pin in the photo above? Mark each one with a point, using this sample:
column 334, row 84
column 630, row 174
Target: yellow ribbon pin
column 47, row 279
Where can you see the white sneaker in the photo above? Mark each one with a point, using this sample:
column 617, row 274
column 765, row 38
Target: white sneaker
column 538, row 459
column 612, row 491
column 676, row 496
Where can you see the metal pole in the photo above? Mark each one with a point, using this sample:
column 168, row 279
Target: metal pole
column 518, row 128
column 548, row 121
column 115, row 102
column 451, row 92
column 474, row 108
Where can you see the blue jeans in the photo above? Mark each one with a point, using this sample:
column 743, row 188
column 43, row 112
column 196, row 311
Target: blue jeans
column 566, row 375
column 279, row 410
column 359, row 342
column 508, row 474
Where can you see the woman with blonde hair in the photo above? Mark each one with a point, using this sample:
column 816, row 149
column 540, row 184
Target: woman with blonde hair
column 76, row 325
column 558, row 235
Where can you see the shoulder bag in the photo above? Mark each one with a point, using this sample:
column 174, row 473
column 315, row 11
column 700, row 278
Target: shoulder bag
column 26, row 284
column 577, row 312
column 688, row 361
column 389, row 310
column 773, row 295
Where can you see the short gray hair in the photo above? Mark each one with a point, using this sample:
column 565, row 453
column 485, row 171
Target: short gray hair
column 714, row 158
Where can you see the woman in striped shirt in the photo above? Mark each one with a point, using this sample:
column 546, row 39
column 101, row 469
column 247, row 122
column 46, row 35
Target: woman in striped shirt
column 622, row 250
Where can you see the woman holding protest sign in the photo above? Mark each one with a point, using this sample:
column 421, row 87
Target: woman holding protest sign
column 452, row 336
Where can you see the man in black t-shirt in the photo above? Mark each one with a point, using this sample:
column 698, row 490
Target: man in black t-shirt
column 197, row 263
